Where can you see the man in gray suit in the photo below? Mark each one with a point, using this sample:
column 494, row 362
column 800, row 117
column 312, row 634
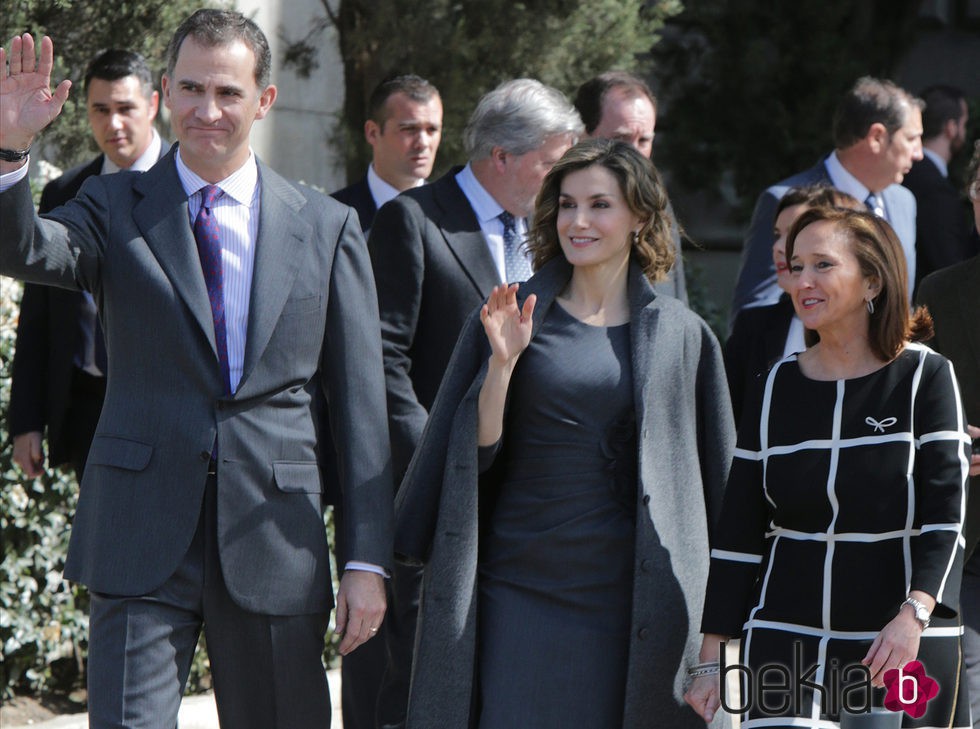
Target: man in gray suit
column 877, row 136
column 437, row 251
column 228, row 295
column 619, row 105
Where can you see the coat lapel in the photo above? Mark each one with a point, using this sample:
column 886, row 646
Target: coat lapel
column 463, row 234
column 281, row 234
column 162, row 217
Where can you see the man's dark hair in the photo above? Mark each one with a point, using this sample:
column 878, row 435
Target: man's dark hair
column 943, row 103
column 211, row 28
column 591, row 94
column 114, row 64
column 871, row 101
column 414, row 87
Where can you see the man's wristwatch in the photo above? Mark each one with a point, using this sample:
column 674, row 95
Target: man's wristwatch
column 920, row 611
column 14, row 155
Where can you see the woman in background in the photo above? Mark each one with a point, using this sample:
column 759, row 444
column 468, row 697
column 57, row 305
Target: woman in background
column 763, row 335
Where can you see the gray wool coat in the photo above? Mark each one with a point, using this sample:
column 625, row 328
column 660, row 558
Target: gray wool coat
column 686, row 436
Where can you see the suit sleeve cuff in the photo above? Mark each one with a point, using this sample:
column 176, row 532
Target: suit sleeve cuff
column 367, row 567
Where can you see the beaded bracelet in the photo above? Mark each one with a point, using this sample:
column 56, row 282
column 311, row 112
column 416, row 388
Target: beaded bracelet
column 709, row 668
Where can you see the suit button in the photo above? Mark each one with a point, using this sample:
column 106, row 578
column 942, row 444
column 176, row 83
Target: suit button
column 645, row 565
column 643, row 633
column 646, row 499
column 204, row 456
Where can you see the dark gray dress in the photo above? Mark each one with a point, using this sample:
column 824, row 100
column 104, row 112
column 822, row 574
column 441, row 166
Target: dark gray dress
column 556, row 573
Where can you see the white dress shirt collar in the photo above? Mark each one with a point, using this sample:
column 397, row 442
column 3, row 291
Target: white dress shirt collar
column 381, row 191
column 239, row 185
column 144, row 162
column 936, row 160
column 482, row 202
column 846, row 182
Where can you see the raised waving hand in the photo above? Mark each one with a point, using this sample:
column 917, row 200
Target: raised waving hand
column 27, row 104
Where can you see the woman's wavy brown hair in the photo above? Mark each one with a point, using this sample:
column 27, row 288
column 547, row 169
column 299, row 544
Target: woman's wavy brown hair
column 641, row 188
column 882, row 259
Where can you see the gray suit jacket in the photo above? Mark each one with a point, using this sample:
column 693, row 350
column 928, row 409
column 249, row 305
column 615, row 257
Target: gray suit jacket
column 127, row 239
column 951, row 297
column 756, row 283
column 686, row 438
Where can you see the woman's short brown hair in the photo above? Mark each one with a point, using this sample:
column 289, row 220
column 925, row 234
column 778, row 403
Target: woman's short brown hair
column 641, row 188
column 882, row 259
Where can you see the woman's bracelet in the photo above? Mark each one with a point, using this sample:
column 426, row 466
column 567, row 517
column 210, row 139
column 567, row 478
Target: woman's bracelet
column 708, row 668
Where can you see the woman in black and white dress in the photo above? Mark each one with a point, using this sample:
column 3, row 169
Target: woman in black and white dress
column 840, row 538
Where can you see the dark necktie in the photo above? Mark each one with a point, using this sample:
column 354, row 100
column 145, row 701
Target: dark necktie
column 518, row 268
column 874, row 205
column 209, row 249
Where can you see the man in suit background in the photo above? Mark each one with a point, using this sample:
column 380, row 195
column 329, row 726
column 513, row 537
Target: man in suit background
column 877, row 136
column 437, row 251
column 951, row 297
column 228, row 296
column 58, row 378
column 403, row 127
column 943, row 233
column 619, row 105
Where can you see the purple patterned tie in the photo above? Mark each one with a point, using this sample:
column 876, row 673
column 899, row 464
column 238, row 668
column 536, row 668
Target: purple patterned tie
column 209, row 248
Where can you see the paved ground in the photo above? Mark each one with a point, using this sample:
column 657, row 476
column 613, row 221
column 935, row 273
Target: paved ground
column 196, row 712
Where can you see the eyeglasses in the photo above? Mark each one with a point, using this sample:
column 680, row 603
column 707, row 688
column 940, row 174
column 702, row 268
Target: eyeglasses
column 974, row 191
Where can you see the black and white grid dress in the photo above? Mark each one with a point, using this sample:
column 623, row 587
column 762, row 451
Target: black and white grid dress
column 843, row 496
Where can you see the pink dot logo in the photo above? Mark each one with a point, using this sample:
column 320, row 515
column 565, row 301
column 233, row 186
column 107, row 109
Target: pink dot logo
column 909, row 689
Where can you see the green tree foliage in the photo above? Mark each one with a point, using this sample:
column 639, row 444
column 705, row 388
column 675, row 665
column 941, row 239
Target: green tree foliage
column 467, row 48
column 80, row 30
column 750, row 87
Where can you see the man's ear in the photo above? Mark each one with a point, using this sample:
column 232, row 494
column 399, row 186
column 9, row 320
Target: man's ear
column 154, row 104
column 372, row 131
column 877, row 137
column 498, row 155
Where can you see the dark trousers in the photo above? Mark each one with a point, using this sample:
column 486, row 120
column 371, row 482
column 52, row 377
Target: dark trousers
column 267, row 670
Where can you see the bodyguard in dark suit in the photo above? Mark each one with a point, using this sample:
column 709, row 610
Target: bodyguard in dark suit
column 58, row 382
column 437, row 251
column 403, row 127
column 228, row 296
column 951, row 297
column 943, row 230
column 877, row 136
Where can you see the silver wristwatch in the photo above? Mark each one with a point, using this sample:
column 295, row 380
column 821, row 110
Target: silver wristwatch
column 920, row 611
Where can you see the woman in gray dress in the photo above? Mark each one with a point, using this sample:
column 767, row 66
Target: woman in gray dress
column 562, row 493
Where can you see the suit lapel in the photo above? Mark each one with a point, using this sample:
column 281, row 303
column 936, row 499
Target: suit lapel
column 463, row 234
column 277, row 260
column 162, row 217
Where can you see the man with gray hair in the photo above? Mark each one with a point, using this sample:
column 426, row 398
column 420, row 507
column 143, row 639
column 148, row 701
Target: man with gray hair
column 877, row 136
column 437, row 251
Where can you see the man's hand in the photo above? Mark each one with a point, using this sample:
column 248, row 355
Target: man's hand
column 26, row 102
column 29, row 454
column 361, row 606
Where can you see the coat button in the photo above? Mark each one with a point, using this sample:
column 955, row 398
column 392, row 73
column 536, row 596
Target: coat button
column 204, row 456
column 643, row 633
column 646, row 499
column 645, row 565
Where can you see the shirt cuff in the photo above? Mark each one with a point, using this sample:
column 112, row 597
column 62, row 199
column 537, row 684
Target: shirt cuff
column 367, row 567
column 12, row 178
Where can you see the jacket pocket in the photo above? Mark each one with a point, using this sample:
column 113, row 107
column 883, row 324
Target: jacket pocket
column 298, row 477
column 111, row 450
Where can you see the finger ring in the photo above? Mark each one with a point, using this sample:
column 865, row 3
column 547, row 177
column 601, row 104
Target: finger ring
column 374, row 630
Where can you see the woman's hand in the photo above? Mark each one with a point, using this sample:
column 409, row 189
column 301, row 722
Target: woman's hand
column 895, row 645
column 974, row 432
column 507, row 326
column 704, row 696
